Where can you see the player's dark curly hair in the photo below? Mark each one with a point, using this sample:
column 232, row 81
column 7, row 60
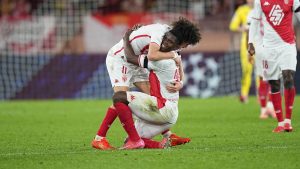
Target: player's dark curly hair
column 185, row 31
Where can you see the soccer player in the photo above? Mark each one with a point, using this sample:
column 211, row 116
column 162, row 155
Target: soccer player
column 239, row 24
column 263, row 87
column 158, row 111
column 280, row 53
column 157, row 41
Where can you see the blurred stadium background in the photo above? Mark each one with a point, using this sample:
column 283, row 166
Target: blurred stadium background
column 56, row 49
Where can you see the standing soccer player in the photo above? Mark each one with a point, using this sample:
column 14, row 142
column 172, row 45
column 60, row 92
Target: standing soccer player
column 280, row 54
column 239, row 24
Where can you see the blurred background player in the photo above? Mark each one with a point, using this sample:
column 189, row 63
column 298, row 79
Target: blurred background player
column 263, row 88
column 239, row 24
column 157, row 41
column 280, row 56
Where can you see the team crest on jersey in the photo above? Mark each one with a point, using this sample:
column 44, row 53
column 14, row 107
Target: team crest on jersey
column 286, row 2
column 276, row 15
column 132, row 97
column 266, row 3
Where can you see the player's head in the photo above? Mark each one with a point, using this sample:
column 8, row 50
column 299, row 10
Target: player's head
column 182, row 34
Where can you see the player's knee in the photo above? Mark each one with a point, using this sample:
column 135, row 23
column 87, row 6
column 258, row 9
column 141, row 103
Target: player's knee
column 120, row 97
column 288, row 79
column 275, row 85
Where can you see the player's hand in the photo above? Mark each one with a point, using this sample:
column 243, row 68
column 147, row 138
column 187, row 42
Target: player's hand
column 136, row 27
column 126, row 36
column 174, row 87
column 251, row 49
column 177, row 58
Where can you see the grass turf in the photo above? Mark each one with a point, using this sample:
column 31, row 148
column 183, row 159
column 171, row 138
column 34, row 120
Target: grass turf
column 224, row 133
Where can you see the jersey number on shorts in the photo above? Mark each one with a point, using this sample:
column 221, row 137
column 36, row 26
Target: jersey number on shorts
column 265, row 64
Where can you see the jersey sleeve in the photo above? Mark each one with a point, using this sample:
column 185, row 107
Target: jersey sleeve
column 157, row 35
column 249, row 18
column 257, row 11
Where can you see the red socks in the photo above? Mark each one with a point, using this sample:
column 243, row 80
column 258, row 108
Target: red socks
column 263, row 92
column 109, row 118
column 276, row 100
column 125, row 116
column 289, row 96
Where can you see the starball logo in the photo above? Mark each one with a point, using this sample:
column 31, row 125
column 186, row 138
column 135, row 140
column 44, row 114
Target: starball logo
column 276, row 15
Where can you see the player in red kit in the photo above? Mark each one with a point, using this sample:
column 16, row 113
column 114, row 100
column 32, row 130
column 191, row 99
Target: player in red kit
column 280, row 54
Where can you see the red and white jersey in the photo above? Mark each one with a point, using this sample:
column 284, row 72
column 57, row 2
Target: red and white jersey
column 162, row 73
column 277, row 16
column 141, row 38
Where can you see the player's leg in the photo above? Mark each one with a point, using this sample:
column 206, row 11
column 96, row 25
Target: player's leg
column 288, row 63
column 263, row 89
column 148, row 130
column 270, row 107
column 175, row 139
column 272, row 73
column 277, row 103
column 119, row 75
column 125, row 115
column 100, row 141
column 289, row 96
column 260, row 83
column 143, row 86
column 145, row 107
column 140, row 79
column 246, row 75
column 262, row 96
column 276, row 99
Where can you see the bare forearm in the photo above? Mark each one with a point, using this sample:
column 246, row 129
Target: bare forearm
column 154, row 54
column 157, row 55
column 181, row 72
column 130, row 55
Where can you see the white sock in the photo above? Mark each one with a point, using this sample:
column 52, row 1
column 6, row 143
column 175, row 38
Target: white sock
column 98, row 138
column 270, row 104
column 167, row 134
column 281, row 123
column 287, row 121
column 263, row 110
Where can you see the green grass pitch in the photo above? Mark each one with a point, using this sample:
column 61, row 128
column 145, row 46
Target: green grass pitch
column 225, row 135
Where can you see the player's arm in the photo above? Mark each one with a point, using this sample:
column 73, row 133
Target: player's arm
column 249, row 19
column 181, row 72
column 154, row 54
column 252, row 30
column 235, row 23
column 255, row 19
column 128, row 50
column 139, row 60
column 176, row 86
